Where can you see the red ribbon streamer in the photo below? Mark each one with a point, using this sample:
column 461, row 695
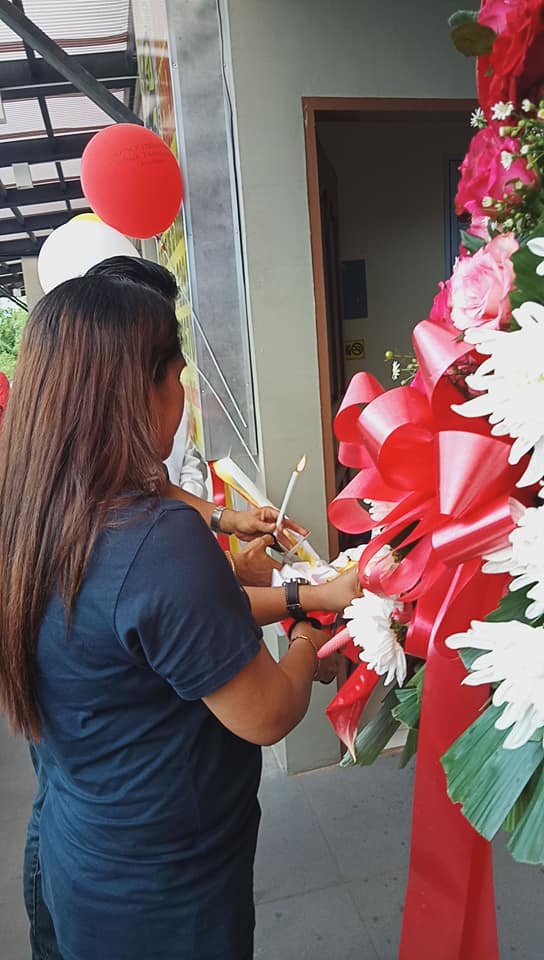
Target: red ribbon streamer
column 449, row 486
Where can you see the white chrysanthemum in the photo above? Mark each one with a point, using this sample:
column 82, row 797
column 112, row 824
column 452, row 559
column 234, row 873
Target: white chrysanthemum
column 515, row 660
column 512, row 385
column 536, row 246
column 502, row 110
column 378, row 509
column 369, row 625
column 477, row 118
column 523, row 559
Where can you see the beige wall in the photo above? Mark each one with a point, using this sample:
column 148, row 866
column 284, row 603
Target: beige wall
column 391, row 186
column 281, row 51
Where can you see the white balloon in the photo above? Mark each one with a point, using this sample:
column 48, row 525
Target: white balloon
column 77, row 246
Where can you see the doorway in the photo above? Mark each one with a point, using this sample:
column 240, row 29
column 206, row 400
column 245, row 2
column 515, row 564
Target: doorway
column 379, row 176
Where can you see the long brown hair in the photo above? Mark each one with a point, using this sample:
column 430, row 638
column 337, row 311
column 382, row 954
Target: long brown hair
column 76, row 436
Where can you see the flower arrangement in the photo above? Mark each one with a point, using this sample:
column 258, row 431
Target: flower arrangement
column 452, row 613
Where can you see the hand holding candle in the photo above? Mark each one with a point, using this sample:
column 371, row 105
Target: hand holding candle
column 287, row 495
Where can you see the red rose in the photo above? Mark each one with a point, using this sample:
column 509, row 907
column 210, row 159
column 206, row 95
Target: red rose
column 514, row 66
column 494, row 13
column 484, row 175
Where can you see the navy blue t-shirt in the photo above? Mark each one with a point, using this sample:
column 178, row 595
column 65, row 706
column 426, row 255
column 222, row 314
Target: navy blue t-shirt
column 149, row 826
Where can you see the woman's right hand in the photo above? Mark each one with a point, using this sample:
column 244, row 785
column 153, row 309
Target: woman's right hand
column 335, row 594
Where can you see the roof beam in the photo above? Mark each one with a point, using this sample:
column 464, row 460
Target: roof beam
column 15, row 249
column 41, row 150
column 106, row 67
column 66, row 65
column 31, row 89
column 38, row 221
column 42, row 193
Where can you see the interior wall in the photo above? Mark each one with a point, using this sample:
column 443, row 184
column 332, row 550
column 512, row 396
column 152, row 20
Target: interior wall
column 392, row 214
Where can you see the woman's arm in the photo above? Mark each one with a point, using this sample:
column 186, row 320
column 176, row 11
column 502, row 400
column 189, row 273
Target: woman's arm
column 244, row 524
column 267, row 699
column 268, row 603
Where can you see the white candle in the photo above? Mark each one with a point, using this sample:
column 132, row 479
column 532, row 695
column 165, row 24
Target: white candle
column 290, row 487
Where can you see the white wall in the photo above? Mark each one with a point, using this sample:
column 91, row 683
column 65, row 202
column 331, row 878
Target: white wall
column 391, row 185
column 282, row 50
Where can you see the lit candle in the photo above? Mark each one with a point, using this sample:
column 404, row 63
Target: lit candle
column 290, row 487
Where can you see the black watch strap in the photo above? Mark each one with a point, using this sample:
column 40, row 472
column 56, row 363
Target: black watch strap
column 292, row 602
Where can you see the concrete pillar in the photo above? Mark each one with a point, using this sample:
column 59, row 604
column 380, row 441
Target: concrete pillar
column 33, row 289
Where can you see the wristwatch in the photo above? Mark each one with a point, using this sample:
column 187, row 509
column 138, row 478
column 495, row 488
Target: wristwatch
column 215, row 519
column 292, row 602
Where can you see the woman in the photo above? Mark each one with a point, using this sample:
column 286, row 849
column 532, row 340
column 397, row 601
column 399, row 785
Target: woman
column 127, row 649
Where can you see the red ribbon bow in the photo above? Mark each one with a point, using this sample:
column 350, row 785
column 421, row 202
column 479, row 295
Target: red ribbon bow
column 449, row 487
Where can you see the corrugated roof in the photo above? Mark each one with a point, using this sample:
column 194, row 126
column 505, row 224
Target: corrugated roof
column 44, row 111
column 78, row 26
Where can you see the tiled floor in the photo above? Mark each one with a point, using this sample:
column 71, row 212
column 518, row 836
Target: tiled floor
column 330, row 872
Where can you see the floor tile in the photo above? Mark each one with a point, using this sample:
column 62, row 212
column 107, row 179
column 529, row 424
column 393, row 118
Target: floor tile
column 322, row 925
column 365, row 815
column 292, row 854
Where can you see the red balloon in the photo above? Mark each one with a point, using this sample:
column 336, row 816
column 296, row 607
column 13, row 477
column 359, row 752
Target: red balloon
column 132, row 180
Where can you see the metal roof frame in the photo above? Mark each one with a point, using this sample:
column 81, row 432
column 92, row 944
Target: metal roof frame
column 47, row 75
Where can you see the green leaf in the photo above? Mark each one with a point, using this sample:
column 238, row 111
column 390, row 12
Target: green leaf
column 527, row 841
column 408, row 708
column 469, row 655
column 462, row 16
column 375, row 736
column 512, row 607
column 527, row 285
column 410, row 748
column 522, row 803
column 485, row 778
column 471, row 37
column 470, row 242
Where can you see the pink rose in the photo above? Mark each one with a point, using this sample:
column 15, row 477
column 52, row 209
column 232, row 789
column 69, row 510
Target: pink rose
column 480, row 285
column 478, row 228
column 484, row 175
column 440, row 310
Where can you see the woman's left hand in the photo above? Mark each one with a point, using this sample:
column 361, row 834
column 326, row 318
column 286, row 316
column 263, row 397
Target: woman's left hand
column 252, row 565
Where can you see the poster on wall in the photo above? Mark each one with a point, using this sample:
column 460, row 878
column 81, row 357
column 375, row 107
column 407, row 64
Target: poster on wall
column 158, row 114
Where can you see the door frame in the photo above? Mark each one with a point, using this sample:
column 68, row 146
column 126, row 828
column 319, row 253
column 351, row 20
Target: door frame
column 342, row 109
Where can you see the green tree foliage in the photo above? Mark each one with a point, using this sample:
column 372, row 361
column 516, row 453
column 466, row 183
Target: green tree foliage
column 12, row 321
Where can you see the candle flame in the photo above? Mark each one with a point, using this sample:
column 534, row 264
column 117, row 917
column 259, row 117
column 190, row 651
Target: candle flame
column 301, row 464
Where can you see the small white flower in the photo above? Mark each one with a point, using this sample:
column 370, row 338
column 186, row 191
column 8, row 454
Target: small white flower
column 536, row 246
column 502, row 110
column 506, row 159
column 369, row 625
column 515, row 660
column 477, row 119
column 526, row 105
column 348, row 557
column 511, row 382
column 487, row 202
column 523, row 558
column 378, row 509
column 395, row 370
column 525, row 149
